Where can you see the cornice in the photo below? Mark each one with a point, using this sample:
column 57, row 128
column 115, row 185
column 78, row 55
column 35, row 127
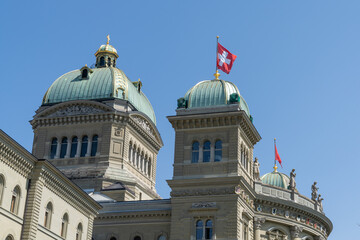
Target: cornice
column 295, row 207
column 223, row 119
column 66, row 189
column 15, row 156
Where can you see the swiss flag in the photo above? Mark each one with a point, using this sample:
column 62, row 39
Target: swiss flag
column 225, row 59
column 277, row 156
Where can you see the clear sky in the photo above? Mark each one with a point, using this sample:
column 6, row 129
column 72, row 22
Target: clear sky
column 297, row 68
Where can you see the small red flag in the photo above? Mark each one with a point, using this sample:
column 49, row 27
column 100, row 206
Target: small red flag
column 225, row 59
column 277, row 156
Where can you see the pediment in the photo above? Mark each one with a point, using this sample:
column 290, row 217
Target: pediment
column 74, row 108
column 147, row 126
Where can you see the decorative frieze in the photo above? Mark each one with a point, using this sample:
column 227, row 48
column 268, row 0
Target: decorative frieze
column 204, row 205
column 76, row 110
column 202, row 192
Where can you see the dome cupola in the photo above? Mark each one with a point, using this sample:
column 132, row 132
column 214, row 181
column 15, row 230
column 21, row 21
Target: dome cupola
column 276, row 179
column 106, row 55
column 212, row 94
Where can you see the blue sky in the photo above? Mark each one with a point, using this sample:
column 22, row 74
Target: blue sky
column 297, row 68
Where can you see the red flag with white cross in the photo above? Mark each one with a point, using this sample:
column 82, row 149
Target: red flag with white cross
column 225, row 59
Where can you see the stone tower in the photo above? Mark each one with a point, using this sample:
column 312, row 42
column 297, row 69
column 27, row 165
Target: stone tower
column 213, row 172
column 99, row 129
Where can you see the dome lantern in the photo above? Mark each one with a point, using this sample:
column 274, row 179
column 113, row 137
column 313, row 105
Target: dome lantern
column 106, row 55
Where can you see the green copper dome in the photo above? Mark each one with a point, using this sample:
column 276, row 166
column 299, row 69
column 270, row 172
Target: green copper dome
column 98, row 84
column 212, row 93
column 276, row 179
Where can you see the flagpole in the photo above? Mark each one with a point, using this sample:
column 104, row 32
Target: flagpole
column 275, row 167
column 217, row 74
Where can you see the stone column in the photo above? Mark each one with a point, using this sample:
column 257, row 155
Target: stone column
column 257, row 226
column 68, row 148
column 58, row 148
column 295, row 232
column 88, row 150
column 212, row 152
column 200, row 152
column 78, row 149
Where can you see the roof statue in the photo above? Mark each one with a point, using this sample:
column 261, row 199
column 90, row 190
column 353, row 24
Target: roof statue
column 256, row 169
column 292, row 184
column 319, row 201
column 314, row 190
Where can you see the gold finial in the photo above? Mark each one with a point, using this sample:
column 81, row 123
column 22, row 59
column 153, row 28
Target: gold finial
column 108, row 39
column 85, row 65
column 217, row 37
column 275, row 168
column 217, row 75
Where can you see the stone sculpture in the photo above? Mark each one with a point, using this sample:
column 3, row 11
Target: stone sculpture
column 314, row 190
column 292, row 184
column 256, row 169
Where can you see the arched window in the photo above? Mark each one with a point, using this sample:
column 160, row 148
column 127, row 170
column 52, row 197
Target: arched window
column 9, row 237
column 2, row 186
column 53, row 148
column 138, row 159
column 79, row 232
column 137, row 238
column 84, row 74
column 161, row 237
column 74, row 144
column 206, row 151
column 277, row 234
column 64, row 225
column 48, row 215
column 84, row 146
column 199, row 230
column 149, row 168
column 15, row 199
column 94, row 145
column 64, row 143
column 141, row 161
column 218, row 151
column 209, row 229
column 113, row 238
column 134, row 155
column 195, row 152
column 130, row 152
column 109, row 62
column 102, row 62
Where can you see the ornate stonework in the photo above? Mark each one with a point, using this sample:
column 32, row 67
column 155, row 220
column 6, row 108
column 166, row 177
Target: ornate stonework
column 76, row 110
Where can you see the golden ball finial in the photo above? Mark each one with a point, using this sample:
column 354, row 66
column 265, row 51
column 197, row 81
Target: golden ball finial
column 275, row 168
column 217, row 75
column 217, row 37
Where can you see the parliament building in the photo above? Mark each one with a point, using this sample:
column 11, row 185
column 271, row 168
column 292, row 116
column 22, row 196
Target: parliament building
column 92, row 171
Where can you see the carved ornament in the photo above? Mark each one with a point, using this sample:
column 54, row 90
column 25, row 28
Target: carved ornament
column 76, row 110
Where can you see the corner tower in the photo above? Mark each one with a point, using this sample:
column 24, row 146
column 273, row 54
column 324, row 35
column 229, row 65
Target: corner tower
column 100, row 130
column 213, row 172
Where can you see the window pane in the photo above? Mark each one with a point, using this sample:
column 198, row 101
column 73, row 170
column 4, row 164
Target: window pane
column 195, row 152
column 74, row 144
column 206, row 152
column 84, row 145
column 64, row 143
column 53, row 148
column 94, row 145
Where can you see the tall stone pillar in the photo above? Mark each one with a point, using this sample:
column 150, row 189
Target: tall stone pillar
column 78, row 149
column 295, row 232
column 68, row 149
column 88, row 150
column 257, row 226
column 58, row 148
